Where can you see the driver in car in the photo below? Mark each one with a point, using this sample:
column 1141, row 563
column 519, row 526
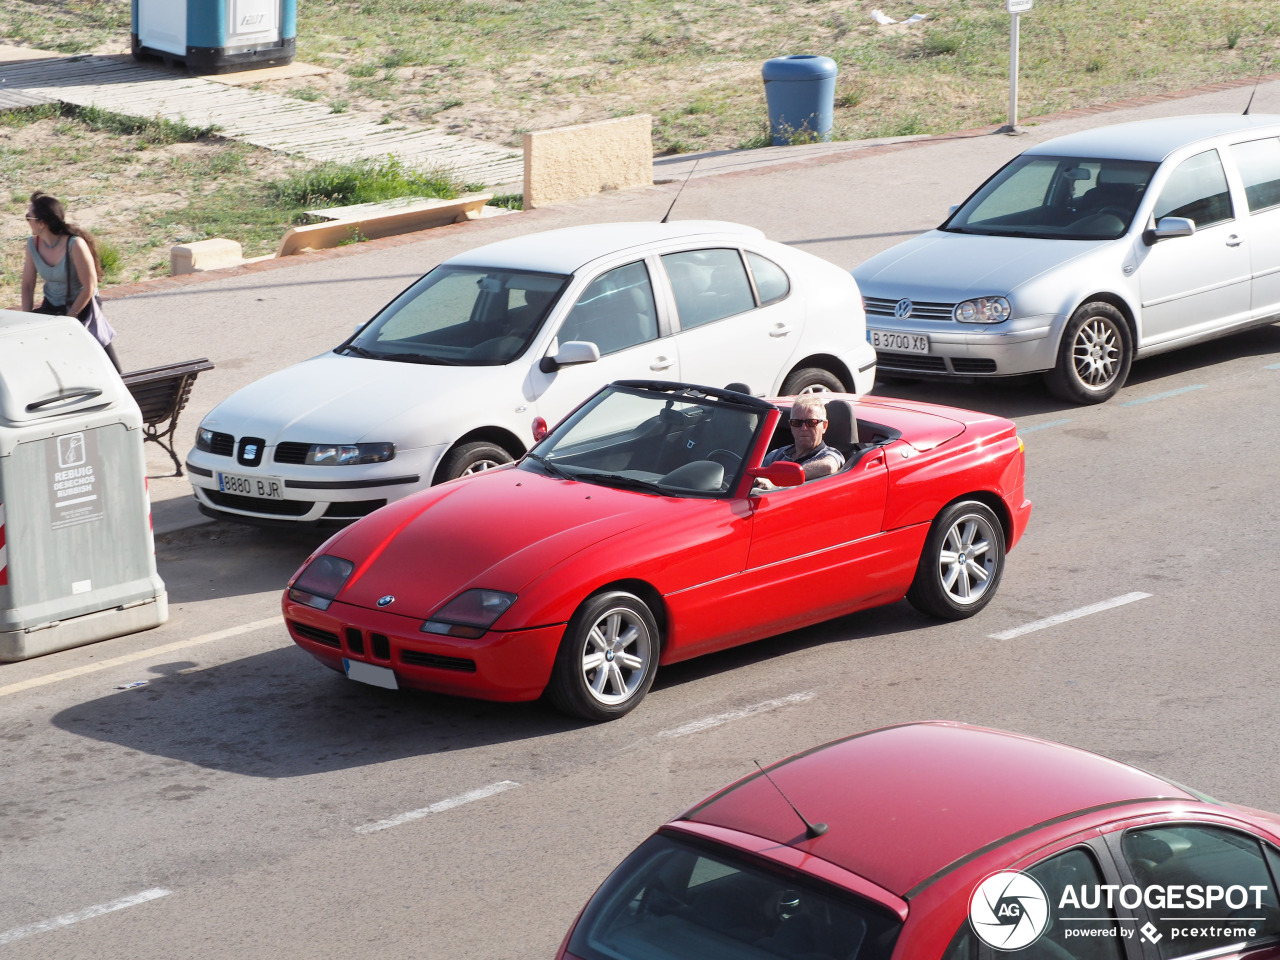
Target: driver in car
column 808, row 424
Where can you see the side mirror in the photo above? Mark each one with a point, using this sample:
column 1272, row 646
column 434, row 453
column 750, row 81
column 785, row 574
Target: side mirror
column 952, row 209
column 782, row 473
column 570, row 353
column 361, row 325
column 1168, row 228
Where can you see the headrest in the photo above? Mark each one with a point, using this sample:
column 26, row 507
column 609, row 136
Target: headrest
column 842, row 425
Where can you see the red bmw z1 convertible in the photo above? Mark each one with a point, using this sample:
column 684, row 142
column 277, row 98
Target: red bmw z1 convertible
column 940, row 841
column 638, row 533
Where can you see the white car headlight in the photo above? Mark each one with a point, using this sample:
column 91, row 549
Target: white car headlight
column 982, row 310
column 336, row 454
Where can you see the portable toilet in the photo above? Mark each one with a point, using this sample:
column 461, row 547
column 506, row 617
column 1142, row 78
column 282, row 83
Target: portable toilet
column 77, row 559
column 216, row 36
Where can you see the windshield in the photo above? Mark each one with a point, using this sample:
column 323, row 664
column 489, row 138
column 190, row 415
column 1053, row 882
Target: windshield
column 680, row 443
column 470, row 316
column 671, row 900
column 1059, row 198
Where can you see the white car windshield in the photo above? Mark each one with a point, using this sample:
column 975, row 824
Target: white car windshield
column 678, row 441
column 1058, row 198
column 465, row 316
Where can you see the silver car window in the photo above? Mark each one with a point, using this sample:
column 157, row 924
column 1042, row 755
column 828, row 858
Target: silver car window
column 1197, row 190
column 1259, row 163
column 1058, row 198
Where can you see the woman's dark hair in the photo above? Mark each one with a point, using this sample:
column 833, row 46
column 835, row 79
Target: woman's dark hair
column 49, row 211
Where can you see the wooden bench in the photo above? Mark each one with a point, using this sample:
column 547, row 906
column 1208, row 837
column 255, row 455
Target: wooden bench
column 161, row 393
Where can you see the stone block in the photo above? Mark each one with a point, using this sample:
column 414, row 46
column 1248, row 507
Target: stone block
column 570, row 162
column 203, row 255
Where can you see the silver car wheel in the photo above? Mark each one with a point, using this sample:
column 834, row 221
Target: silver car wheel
column 1095, row 352
column 479, row 466
column 615, row 657
column 966, row 560
column 813, row 388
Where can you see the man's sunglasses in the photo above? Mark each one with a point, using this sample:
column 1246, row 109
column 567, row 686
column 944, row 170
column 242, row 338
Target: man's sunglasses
column 812, row 424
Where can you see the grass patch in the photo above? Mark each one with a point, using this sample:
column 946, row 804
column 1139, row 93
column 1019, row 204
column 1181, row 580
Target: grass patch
column 155, row 130
column 364, row 181
column 509, row 201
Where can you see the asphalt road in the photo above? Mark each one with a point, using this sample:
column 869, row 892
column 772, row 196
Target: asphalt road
column 246, row 802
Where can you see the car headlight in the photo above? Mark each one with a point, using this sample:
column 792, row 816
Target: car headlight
column 469, row 614
column 982, row 310
column 204, row 439
column 320, row 581
column 340, row 454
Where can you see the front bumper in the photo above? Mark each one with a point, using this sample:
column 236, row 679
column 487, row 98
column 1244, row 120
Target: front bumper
column 1012, row 348
column 502, row 665
column 311, row 495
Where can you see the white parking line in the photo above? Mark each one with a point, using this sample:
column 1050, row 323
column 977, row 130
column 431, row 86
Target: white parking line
column 67, row 919
column 1069, row 615
column 439, row 806
column 1163, row 396
column 140, row 655
column 706, row 723
column 1042, row 426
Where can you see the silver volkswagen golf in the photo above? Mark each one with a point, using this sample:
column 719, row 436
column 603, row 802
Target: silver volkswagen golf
column 1086, row 252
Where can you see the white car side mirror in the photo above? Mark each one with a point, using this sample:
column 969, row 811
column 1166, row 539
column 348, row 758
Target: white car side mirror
column 570, row 353
column 1169, row 227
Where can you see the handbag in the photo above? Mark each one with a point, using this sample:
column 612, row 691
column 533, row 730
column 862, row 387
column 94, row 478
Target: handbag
column 94, row 320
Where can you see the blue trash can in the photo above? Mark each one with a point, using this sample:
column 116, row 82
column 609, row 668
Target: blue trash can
column 215, row 36
column 800, row 91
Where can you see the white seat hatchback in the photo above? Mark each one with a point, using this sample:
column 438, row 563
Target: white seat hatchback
column 450, row 377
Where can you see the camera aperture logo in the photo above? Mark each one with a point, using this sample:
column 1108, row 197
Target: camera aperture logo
column 1009, row 910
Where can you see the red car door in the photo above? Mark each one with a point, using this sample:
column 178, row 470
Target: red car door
column 816, row 548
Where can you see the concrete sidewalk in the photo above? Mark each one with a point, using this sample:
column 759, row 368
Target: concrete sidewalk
column 843, row 202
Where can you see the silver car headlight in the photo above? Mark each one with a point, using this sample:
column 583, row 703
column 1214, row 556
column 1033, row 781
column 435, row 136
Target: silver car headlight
column 338, row 454
column 982, row 310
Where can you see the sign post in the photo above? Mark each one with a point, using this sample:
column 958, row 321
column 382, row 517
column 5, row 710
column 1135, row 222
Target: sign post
column 1015, row 8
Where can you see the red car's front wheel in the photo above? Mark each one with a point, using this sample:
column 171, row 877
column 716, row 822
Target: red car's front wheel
column 607, row 659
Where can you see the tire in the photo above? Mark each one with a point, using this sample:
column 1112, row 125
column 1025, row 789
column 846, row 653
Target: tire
column 944, row 586
column 590, row 678
column 469, row 458
column 1094, row 356
column 811, row 380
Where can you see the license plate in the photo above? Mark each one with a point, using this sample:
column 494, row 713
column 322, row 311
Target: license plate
column 268, row 488
column 899, row 342
column 383, row 677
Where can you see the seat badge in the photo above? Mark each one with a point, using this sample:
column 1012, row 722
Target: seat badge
column 386, row 601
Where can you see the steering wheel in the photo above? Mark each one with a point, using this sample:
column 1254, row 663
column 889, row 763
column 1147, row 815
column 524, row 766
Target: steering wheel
column 735, row 459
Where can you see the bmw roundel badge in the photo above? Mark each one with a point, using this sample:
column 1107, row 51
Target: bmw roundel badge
column 386, row 601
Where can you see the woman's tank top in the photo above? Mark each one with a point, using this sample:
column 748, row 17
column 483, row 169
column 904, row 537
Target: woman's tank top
column 55, row 275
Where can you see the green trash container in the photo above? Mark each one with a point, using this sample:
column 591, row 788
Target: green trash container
column 77, row 559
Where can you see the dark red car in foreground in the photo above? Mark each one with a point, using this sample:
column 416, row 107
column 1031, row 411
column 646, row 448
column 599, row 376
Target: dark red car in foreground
column 940, row 840
column 634, row 535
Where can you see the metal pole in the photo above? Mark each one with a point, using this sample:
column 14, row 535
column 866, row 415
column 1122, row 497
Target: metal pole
column 1013, row 73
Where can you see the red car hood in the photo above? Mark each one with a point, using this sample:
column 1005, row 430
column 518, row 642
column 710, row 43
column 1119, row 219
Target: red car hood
column 499, row 530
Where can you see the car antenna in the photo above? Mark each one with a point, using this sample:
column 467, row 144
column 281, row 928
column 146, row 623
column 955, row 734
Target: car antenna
column 811, row 830
column 1251, row 93
column 680, row 191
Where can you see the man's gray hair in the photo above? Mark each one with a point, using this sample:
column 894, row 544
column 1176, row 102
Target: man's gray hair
column 813, row 405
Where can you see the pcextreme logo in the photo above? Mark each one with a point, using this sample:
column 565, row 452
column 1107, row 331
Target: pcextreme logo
column 1009, row 910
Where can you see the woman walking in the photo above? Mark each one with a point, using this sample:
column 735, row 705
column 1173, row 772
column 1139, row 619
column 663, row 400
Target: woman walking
column 65, row 257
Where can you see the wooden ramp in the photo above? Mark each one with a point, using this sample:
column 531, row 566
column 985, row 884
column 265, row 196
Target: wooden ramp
column 283, row 124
